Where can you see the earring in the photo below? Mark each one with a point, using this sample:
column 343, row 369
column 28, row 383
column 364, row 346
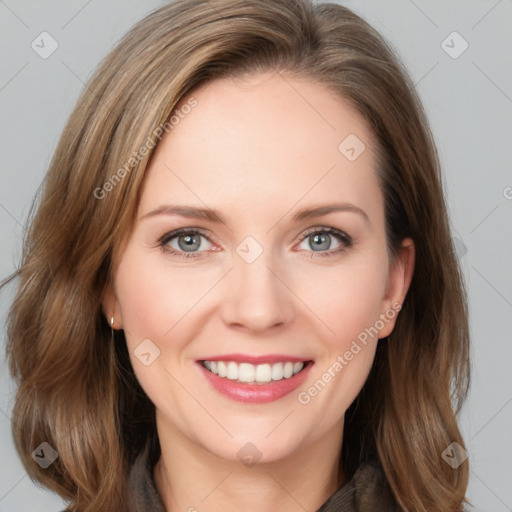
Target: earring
column 112, row 343
column 112, row 329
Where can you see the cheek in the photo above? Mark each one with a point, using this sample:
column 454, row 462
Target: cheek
column 154, row 297
column 157, row 304
column 347, row 299
column 348, row 302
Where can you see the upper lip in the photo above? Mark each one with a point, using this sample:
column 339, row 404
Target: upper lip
column 245, row 358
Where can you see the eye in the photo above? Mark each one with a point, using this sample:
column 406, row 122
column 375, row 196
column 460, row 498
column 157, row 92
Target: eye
column 189, row 242
column 320, row 239
column 185, row 242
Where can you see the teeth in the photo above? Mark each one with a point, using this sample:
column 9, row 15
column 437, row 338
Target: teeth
column 232, row 371
column 246, row 372
column 297, row 367
column 277, row 371
column 263, row 373
column 221, row 367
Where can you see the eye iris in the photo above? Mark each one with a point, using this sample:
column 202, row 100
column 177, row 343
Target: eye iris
column 324, row 240
column 192, row 242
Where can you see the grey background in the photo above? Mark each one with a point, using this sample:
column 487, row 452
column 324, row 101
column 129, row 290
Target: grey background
column 468, row 101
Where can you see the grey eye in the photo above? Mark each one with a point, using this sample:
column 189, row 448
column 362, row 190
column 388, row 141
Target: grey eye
column 188, row 242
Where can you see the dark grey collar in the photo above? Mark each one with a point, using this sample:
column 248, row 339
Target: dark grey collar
column 367, row 491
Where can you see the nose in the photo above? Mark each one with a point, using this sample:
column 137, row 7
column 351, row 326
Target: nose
column 256, row 295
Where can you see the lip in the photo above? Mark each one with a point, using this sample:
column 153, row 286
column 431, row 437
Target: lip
column 256, row 393
column 245, row 358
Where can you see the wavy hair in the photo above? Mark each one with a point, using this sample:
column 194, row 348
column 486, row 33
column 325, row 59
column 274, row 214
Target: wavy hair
column 76, row 389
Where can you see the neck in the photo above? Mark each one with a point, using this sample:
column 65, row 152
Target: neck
column 190, row 478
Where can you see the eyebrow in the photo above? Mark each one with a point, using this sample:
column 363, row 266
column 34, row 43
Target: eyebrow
column 193, row 212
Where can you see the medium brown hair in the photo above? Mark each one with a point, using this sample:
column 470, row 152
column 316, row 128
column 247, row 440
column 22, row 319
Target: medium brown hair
column 76, row 388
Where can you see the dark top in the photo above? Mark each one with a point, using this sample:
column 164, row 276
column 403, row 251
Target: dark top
column 367, row 491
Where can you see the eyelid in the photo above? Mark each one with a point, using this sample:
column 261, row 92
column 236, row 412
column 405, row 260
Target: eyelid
column 327, row 229
column 176, row 232
column 340, row 235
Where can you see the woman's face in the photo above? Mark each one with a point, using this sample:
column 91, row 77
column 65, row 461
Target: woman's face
column 267, row 290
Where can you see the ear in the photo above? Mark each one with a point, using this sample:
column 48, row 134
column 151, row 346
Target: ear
column 399, row 280
column 109, row 307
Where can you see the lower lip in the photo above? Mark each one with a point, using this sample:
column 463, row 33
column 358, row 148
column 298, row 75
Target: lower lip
column 256, row 393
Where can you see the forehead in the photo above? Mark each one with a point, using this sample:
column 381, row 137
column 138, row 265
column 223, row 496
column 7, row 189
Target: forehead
column 267, row 142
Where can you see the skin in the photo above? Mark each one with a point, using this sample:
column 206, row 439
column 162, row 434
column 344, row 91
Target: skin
column 257, row 151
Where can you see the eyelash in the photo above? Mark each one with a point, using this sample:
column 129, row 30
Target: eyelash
column 342, row 237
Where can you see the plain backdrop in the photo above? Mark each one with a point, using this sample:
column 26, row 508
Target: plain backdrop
column 467, row 93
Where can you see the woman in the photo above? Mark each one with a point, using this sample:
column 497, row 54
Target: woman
column 239, row 291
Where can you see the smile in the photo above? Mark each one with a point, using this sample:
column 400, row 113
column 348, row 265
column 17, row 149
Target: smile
column 255, row 380
column 250, row 373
